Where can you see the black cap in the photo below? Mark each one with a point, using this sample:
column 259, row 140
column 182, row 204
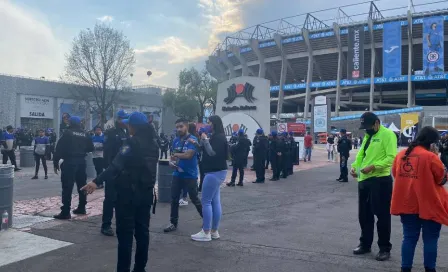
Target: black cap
column 9, row 127
column 343, row 130
column 368, row 119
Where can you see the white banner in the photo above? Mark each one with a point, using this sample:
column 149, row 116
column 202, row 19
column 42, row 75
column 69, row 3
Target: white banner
column 320, row 118
column 36, row 107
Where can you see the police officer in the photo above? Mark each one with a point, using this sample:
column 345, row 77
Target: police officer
column 292, row 152
column 233, row 139
column 275, row 153
column 286, row 155
column 114, row 139
column 135, row 169
column 240, row 151
column 260, row 149
column 344, row 147
column 72, row 147
column 268, row 157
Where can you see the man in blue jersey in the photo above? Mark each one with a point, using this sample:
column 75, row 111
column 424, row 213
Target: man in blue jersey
column 7, row 147
column 434, row 40
column 184, row 161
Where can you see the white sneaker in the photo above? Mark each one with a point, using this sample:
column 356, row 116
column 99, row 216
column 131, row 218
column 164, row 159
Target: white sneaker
column 201, row 237
column 215, row 235
column 183, row 202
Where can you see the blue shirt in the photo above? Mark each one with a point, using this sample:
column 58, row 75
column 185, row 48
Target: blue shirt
column 8, row 139
column 189, row 167
column 42, row 140
column 98, row 145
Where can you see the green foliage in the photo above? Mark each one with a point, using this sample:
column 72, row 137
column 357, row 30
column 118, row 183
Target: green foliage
column 182, row 105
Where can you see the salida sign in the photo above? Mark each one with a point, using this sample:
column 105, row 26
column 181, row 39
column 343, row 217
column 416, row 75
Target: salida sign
column 36, row 107
column 240, row 90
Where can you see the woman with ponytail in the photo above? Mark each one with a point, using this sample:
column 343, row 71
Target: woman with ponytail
column 420, row 198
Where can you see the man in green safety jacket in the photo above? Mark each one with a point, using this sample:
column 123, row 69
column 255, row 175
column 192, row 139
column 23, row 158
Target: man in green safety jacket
column 372, row 168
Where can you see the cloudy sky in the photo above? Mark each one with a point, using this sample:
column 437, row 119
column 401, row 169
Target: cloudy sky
column 167, row 35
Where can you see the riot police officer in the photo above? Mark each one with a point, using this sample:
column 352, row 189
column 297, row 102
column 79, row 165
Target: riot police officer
column 72, row 147
column 275, row 152
column 292, row 152
column 260, row 148
column 344, row 147
column 114, row 139
column 268, row 151
column 286, row 155
column 133, row 172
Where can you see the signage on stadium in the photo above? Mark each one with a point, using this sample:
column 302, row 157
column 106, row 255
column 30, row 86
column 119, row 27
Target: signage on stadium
column 239, row 108
column 240, row 90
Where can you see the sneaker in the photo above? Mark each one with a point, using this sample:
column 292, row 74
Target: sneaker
column 35, row 177
column 183, row 202
column 80, row 211
column 62, row 216
column 108, row 231
column 17, row 169
column 46, row 177
column 170, row 228
column 215, row 235
column 240, row 184
column 201, row 237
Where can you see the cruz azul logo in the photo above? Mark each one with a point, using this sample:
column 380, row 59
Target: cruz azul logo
column 240, row 90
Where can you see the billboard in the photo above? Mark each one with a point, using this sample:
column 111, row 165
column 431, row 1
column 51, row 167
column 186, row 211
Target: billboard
column 355, row 54
column 392, row 49
column 320, row 118
column 433, row 45
column 32, row 106
column 409, row 128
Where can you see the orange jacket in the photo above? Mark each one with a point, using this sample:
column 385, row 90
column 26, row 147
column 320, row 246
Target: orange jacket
column 417, row 187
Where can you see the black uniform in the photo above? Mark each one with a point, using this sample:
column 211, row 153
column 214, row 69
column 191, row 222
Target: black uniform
column 344, row 147
column 293, row 155
column 73, row 147
column 277, row 146
column 114, row 139
column 133, row 172
column 164, row 147
column 286, row 160
column 232, row 141
column 443, row 148
column 239, row 153
column 268, row 155
column 259, row 150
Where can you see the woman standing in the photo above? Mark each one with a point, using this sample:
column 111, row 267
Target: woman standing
column 330, row 148
column 41, row 144
column 419, row 197
column 214, row 167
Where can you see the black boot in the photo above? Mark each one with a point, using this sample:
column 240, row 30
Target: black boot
column 231, row 184
column 406, row 270
column 429, row 270
column 62, row 216
column 240, row 184
column 80, row 211
column 382, row 256
column 361, row 250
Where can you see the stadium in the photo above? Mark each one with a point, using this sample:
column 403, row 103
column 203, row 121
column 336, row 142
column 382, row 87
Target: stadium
column 363, row 57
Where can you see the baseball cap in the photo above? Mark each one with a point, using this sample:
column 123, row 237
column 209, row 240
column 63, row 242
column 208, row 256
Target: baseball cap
column 291, row 133
column 9, row 127
column 285, row 133
column 343, row 130
column 260, row 131
column 274, row 133
column 368, row 119
column 75, row 120
column 122, row 114
column 136, row 118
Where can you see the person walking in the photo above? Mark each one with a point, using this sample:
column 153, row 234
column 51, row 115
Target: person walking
column 240, row 151
column 308, row 144
column 330, row 148
column 97, row 155
column 419, row 198
column 133, row 171
column 7, row 147
column 41, row 144
column 185, row 164
column 163, row 146
column 215, row 170
column 344, row 147
column 260, row 149
column 372, row 168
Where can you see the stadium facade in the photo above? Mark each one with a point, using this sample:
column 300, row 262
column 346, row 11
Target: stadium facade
column 381, row 63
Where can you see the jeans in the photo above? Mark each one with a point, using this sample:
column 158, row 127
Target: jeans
column 308, row 153
column 330, row 155
column 211, row 199
column 184, row 191
column 176, row 188
column 412, row 225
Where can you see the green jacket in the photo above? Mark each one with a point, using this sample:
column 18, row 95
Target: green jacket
column 380, row 153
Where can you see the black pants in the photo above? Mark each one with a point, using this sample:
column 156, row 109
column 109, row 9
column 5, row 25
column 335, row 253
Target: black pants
column 268, row 159
column 259, row 164
column 286, row 160
column 343, row 167
column 110, row 198
column 71, row 172
column 276, row 164
column 374, row 197
column 11, row 155
column 99, row 165
column 37, row 159
column 132, row 221
column 176, row 188
column 235, row 170
column 163, row 151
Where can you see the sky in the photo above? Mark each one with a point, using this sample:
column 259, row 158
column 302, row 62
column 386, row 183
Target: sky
column 167, row 35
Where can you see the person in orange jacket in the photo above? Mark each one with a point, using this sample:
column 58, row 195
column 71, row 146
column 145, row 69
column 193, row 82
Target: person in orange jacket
column 420, row 198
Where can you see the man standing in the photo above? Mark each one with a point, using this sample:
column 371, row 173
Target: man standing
column 260, row 149
column 114, row 139
column 97, row 155
column 7, row 143
column 163, row 146
column 72, row 147
column 239, row 151
column 185, row 163
column 372, row 169
column 308, row 144
column 275, row 156
column 41, row 144
column 344, row 147
column 286, row 155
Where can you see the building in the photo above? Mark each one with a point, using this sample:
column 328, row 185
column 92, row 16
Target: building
column 362, row 62
column 36, row 103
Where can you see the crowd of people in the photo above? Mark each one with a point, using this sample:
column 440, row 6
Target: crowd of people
column 126, row 158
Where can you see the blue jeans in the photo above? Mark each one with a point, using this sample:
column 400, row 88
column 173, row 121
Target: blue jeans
column 211, row 199
column 308, row 153
column 412, row 225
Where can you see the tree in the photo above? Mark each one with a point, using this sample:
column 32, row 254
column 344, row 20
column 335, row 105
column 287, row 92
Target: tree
column 200, row 86
column 103, row 60
column 182, row 105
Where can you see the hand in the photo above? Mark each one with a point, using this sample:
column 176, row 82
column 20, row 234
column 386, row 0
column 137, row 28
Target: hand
column 203, row 136
column 191, row 141
column 367, row 169
column 353, row 173
column 90, row 187
column 279, row 153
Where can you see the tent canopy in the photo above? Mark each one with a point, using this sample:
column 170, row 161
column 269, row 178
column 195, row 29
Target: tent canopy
column 394, row 128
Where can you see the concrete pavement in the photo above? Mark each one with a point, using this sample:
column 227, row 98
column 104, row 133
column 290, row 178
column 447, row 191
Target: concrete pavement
column 307, row 223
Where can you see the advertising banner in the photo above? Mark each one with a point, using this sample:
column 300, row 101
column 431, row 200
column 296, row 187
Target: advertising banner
column 409, row 128
column 392, row 49
column 433, row 45
column 355, row 54
column 320, row 118
column 32, row 106
column 297, row 128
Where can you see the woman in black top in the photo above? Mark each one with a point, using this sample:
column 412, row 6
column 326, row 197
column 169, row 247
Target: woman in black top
column 214, row 168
